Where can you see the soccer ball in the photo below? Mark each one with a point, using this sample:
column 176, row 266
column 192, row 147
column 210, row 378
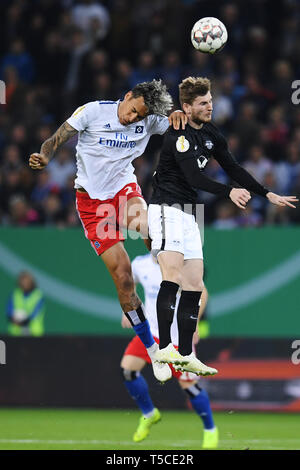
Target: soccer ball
column 209, row 35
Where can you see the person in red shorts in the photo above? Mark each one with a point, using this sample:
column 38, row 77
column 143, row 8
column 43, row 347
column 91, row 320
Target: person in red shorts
column 146, row 272
column 111, row 134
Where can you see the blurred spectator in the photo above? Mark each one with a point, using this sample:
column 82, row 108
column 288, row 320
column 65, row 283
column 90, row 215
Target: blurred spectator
column 68, row 196
column 257, row 164
column 123, row 73
column 145, row 71
column 257, row 51
column 28, row 106
column 54, row 61
column 171, row 72
column 156, row 38
column 11, row 159
column 14, row 87
column 71, row 218
column 122, row 30
column 43, row 132
column 94, row 63
column 227, row 68
column 42, row 188
column 20, row 59
column 92, row 18
column 78, row 48
column 199, row 65
column 277, row 132
column 35, row 35
column 13, row 24
column 61, row 167
column 261, row 205
column 287, row 172
column 52, row 212
column 235, row 147
column 233, row 19
column 277, row 216
column 249, row 218
column 282, row 79
column 258, row 94
column 289, row 43
column 103, row 86
column 19, row 137
column 20, row 213
column 226, row 216
column 223, row 109
column 246, row 125
column 10, row 185
column 25, row 310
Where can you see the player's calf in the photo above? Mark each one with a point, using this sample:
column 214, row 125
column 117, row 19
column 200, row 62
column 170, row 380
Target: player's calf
column 187, row 316
column 165, row 307
column 138, row 390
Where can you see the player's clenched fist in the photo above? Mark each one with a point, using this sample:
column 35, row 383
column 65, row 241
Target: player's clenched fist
column 240, row 197
column 37, row 161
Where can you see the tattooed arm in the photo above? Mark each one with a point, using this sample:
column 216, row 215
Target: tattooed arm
column 38, row 161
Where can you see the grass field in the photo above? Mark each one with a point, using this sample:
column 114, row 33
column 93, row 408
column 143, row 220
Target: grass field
column 111, row 429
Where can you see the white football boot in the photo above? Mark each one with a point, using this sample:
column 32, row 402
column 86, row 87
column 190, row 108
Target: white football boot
column 162, row 372
column 169, row 355
column 194, row 365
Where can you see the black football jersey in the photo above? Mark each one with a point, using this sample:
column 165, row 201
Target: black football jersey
column 184, row 156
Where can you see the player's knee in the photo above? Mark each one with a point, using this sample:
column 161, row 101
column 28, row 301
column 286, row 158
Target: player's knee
column 193, row 284
column 173, row 275
column 129, row 375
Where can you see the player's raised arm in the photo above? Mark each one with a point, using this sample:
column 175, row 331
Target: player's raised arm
column 38, row 161
column 241, row 176
column 197, row 179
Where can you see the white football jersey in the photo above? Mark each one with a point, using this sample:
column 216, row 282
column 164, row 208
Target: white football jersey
column 146, row 271
column 106, row 148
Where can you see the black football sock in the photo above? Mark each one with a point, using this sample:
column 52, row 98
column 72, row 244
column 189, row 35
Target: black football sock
column 187, row 316
column 165, row 307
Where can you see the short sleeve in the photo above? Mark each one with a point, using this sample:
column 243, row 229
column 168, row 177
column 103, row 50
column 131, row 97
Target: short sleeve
column 160, row 124
column 82, row 116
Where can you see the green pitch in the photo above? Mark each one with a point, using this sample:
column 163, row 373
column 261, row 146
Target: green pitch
column 113, row 429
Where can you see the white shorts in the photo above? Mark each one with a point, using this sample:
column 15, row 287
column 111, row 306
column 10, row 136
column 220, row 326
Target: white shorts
column 171, row 229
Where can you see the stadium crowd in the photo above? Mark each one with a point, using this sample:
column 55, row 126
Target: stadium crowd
column 58, row 54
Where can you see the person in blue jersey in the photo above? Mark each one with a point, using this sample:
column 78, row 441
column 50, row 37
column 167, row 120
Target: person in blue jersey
column 146, row 271
column 111, row 134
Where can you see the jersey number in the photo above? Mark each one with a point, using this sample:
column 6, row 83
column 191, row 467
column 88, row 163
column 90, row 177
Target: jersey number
column 128, row 190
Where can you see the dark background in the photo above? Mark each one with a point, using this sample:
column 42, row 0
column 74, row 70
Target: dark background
column 52, row 63
column 84, row 372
